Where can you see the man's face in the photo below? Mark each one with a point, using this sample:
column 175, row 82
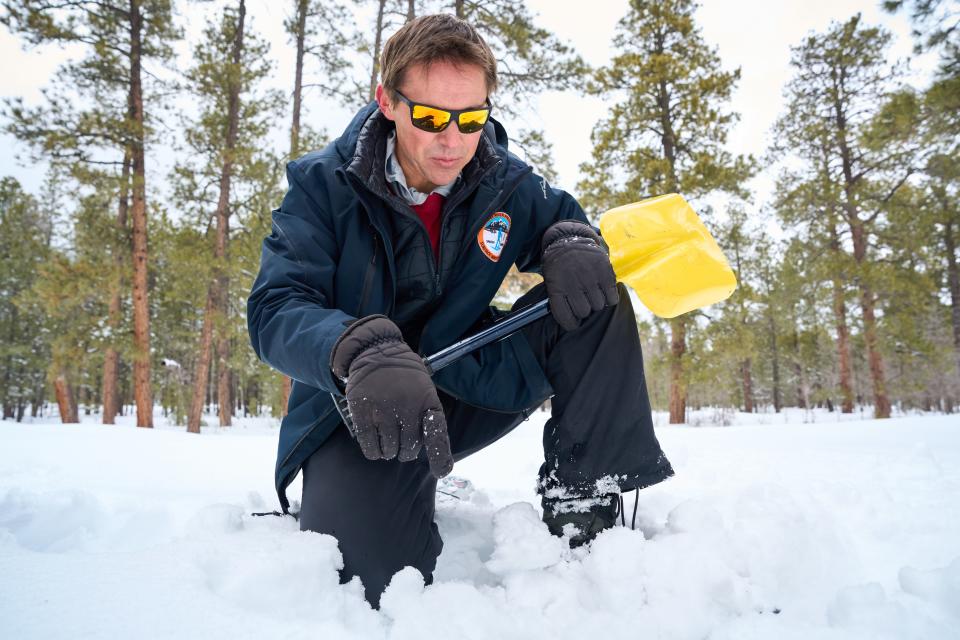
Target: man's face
column 429, row 159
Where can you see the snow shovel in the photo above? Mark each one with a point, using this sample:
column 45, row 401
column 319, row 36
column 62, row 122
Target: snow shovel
column 658, row 246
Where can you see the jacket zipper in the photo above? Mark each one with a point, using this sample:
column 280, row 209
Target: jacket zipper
column 359, row 188
column 502, row 196
column 368, row 276
column 498, row 200
column 450, row 206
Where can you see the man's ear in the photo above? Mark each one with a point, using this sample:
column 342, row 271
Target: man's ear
column 383, row 100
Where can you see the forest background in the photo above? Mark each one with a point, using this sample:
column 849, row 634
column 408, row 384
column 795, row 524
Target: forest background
column 147, row 167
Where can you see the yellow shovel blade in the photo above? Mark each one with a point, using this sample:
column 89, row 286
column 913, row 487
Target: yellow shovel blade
column 660, row 248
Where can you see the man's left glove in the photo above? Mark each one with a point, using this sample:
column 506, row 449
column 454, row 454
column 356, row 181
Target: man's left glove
column 577, row 272
column 393, row 401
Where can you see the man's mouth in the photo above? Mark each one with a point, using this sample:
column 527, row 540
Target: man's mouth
column 446, row 162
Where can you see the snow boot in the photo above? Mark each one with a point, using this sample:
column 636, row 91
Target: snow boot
column 580, row 518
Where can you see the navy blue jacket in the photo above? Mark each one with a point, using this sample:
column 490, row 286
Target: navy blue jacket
column 330, row 259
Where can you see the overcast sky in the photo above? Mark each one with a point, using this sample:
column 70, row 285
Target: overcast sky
column 754, row 35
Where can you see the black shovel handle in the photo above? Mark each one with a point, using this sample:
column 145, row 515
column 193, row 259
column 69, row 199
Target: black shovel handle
column 502, row 328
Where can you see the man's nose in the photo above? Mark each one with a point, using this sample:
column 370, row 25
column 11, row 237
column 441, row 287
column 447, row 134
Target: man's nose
column 450, row 137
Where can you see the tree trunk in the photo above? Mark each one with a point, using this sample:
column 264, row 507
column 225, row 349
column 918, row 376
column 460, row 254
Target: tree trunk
column 678, row 392
column 285, row 395
column 65, row 399
column 745, row 372
column 772, row 326
column 377, row 43
column 843, row 332
column 411, row 10
column 111, row 358
column 202, row 371
column 210, row 403
column 138, row 213
column 881, row 402
column 843, row 348
column 36, row 403
column 798, row 372
column 238, row 397
column 678, row 330
column 881, row 406
column 295, row 131
column 298, row 79
column 223, row 377
column 216, row 311
column 747, row 385
column 458, row 9
column 8, row 369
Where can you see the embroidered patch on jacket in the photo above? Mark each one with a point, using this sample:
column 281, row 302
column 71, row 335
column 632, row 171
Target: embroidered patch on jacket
column 493, row 235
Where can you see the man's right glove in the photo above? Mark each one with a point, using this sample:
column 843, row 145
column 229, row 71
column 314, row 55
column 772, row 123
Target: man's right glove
column 393, row 401
column 577, row 272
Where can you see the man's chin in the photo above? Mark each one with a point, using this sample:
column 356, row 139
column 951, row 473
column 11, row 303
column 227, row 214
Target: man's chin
column 446, row 176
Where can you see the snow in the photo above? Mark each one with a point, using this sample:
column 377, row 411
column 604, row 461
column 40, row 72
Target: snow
column 778, row 526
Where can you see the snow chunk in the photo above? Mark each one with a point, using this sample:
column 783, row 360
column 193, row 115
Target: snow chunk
column 274, row 573
column 866, row 607
column 54, row 522
column 403, row 592
column 522, row 541
column 938, row 586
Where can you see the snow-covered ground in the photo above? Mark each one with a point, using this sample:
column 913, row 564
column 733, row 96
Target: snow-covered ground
column 792, row 526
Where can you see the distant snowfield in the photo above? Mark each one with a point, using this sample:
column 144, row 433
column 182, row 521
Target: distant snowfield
column 774, row 527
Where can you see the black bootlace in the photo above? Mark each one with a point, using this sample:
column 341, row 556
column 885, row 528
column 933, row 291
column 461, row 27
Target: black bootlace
column 620, row 512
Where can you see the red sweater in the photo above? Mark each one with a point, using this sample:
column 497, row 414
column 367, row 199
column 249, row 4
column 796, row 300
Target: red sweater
column 429, row 213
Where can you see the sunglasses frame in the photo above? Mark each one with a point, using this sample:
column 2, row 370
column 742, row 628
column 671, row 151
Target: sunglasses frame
column 454, row 114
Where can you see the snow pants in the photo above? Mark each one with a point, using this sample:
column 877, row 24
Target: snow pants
column 600, row 434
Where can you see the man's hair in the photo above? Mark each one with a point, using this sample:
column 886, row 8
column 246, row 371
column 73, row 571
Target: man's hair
column 430, row 39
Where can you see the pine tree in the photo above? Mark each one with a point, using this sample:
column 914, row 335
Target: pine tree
column 226, row 145
column 773, row 303
column 257, row 385
column 841, row 77
column 182, row 269
column 24, row 247
column 806, row 202
column 942, row 200
column 935, row 206
column 915, row 318
column 941, row 131
column 72, row 290
column 315, row 29
column 120, row 38
column 734, row 333
column 666, row 131
column 327, row 42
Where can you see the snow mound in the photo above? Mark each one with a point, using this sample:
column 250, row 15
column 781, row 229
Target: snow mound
column 937, row 586
column 843, row 530
column 522, row 541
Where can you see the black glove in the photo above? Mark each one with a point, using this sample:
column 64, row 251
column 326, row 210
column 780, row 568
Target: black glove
column 392, row 399
column 577, row 272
